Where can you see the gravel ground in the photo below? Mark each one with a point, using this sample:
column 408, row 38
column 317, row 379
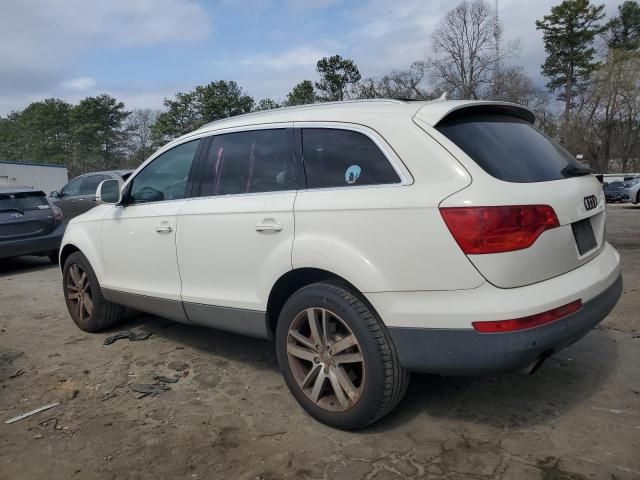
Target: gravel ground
column 231, row 416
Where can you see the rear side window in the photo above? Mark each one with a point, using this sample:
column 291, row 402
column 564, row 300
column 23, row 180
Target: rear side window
column 510, row 148
column 249, row 162
column 342, row 158
column 22, row 201
column 90, row 184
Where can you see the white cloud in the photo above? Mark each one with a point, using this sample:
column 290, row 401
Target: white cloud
column 303, row 56
column 79, row 83
column 41, row 40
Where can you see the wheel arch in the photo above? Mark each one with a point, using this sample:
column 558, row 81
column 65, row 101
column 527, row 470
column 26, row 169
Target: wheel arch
column 65, row 251
column 293, row 281
column 86, row 241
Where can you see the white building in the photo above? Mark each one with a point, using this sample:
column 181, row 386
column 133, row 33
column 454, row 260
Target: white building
column 46, row 177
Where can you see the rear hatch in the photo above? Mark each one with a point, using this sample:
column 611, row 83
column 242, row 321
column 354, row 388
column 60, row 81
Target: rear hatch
column 24, row 214
column 532, row 211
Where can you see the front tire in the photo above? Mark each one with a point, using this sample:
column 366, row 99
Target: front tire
column 87, row 307
column 337, row 358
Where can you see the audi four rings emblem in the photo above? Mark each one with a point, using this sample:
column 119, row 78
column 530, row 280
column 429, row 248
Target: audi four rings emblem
column 590, row 202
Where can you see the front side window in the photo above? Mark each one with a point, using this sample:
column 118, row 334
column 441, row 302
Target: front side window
column 72, row 188
column 90, row 184
column 165, row 178
column 249, row 162
column 342, row 158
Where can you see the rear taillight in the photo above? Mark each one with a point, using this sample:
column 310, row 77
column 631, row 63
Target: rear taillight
column 481, row 230
column 57, row 215
column 537, row 320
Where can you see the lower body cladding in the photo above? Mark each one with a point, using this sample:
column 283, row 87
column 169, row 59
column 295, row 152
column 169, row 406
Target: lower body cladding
column 467, row 352
column 252, row 323
column 39, row 245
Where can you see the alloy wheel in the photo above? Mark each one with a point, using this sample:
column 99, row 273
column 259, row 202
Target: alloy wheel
column 326, row 359
column 78, row 292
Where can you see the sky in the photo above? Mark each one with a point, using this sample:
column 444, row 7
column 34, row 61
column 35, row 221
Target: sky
column 142, row 51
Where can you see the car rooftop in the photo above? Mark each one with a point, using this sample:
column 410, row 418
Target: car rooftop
column 16, row 189
column 431, row 111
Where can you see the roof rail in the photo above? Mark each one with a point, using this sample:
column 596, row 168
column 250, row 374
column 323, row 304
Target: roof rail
column 311, row 105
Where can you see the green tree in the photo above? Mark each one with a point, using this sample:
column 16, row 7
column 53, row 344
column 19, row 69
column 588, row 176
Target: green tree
column 204, row 104
column 568, row 34
column 337, row 74
column 41, row 132
column 266, row 104
column 97, row 127
column 624, row 29
column 302, row 94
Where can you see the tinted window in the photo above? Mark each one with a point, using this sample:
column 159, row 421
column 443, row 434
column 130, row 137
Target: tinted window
column 165, row 178
column 72, row 188
column 510, row 148
column 22, row 201
column 339, row 158
column 90, row 184
column 249, row 162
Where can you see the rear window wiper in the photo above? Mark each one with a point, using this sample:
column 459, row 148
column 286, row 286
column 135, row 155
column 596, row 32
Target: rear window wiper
column 575, row 171
column 12, row 210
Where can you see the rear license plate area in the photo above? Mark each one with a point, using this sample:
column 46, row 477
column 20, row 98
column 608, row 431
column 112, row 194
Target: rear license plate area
column 583, row 233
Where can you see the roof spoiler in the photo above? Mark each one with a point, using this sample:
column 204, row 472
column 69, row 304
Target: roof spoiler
column 433, row 113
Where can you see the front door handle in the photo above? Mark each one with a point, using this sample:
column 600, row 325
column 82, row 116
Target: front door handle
column 265, row 227
column 164, row 228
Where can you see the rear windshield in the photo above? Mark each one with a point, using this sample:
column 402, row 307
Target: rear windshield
column 22, row 201
column 510, row 148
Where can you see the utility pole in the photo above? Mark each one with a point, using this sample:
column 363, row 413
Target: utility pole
column 496, row 37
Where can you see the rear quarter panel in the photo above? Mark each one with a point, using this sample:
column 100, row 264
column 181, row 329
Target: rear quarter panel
column 390, row 237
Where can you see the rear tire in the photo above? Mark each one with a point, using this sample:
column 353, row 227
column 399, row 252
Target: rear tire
column 355, row 352
column 87, row 307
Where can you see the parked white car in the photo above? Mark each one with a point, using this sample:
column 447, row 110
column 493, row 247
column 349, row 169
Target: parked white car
column 368, row 239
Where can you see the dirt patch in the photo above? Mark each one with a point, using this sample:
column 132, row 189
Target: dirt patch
column 231, row 416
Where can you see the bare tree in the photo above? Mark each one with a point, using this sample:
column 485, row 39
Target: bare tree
column 138, row 127
column 466, row 50
column 608, row 113
column 405, row 84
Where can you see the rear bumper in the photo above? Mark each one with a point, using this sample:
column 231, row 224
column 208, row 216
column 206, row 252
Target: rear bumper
column 33, row 245
column 466, row 352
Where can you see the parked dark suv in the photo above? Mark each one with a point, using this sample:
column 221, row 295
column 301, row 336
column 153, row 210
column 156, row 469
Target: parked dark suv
column 79, row 195
column 29, row 224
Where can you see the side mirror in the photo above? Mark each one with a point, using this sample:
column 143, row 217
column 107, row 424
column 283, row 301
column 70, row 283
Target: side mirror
column 109, row 192
column 54, row 194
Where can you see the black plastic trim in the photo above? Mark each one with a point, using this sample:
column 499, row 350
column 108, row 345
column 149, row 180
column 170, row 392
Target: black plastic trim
column 466, row 352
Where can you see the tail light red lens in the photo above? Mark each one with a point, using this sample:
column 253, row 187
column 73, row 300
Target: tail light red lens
column 57, row 214
column 501, row 326
column 480, row 230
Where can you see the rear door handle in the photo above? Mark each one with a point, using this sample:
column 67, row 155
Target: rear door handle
column 164, row 228
column 265, row 227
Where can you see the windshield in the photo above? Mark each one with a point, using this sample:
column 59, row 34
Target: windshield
column 510, row 148
column 22, row 201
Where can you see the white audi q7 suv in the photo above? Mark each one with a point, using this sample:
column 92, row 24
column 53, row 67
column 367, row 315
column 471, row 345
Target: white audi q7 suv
column 367, row 239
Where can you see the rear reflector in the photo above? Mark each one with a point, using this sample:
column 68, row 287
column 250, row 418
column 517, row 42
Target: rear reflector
column 500, row 326
column 480, row 230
